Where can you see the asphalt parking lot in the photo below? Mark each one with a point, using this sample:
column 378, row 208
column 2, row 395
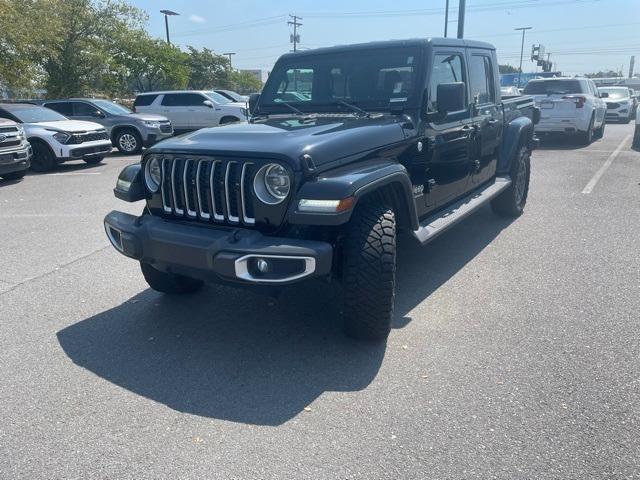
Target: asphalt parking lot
column 514, row 352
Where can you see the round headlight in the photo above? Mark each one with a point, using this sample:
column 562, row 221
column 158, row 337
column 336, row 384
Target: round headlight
column 153, row 174
column 272, row 184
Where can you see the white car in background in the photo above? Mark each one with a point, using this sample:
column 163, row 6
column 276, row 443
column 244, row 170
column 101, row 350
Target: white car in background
column 571, row 106
column 191, row 109
column 56, row 139
column 619, row 103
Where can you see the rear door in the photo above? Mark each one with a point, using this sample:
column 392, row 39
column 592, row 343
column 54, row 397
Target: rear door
column 63, row 108
column 486, row 117
column 448, row 138
column 175, row 107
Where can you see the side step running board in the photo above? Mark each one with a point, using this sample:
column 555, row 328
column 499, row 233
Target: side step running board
column 434, row 225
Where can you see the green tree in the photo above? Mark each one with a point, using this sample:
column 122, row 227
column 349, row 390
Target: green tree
column 208, row 70
column 245, row 82
column 507, row 69
column 603, row 74
column 84, row 33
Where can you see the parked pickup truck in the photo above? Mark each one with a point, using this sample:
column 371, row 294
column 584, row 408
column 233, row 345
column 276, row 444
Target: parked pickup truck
column 400, row 135
column 15, row 151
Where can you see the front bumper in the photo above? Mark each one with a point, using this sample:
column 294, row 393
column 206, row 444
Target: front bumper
column 156, row 135
column 618, row 114
column 98, row 148
column 221, row 254
column 15, row 160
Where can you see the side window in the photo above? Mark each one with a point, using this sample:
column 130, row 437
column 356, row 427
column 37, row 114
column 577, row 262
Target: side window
column 81, row 109
column 183, row 100
column 481, row 79
column 296, row 86
column 63, row 108
column 144, row 100
column 192, row 99
column 447, row 68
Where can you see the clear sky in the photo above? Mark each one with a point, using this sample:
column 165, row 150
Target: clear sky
column 582, row 35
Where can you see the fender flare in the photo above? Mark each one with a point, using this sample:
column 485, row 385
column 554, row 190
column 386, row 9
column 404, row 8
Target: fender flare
column 518, row 132
column 384, row 177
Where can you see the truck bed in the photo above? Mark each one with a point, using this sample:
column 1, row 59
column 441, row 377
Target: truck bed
column 516, row 106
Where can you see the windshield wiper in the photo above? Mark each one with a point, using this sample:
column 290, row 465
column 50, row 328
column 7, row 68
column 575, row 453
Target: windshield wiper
column 354, row 108
column 292, row 108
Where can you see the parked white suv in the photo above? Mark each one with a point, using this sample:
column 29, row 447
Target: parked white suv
column 568, row 105
column 190, row 109
column 619, row 103
column 54, row 138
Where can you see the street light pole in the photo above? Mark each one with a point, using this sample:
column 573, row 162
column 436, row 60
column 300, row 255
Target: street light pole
column 524, row 29
column 446, row 18
column 228, row 54
column 462, row 6
column 166, row 14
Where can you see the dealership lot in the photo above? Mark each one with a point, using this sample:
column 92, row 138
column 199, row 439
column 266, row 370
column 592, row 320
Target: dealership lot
column 514, row 351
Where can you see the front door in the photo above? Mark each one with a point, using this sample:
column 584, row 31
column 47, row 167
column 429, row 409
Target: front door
column 448, row 139
column 486, row 116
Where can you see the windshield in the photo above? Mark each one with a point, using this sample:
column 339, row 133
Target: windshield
column 615, row 92
column 111, row 107
column 550, row 87
column 236, row 97
column 375, row 79
column 216, row 97
column 35, row 114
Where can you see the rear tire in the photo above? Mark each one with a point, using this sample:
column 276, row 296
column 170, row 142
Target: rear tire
column 128, row 141
column 599, row 132
column 169, row 282
column 369, row 272
column 14, row 175
column 93, row 160
column 43, row 158
column 587, row 137
column 511, row 202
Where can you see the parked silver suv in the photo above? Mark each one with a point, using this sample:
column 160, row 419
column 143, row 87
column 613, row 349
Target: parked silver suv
column 129, row 131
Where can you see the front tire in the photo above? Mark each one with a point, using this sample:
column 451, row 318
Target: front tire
column 511, row 202
column 169, row 282
column 14, row 175
column 93, row 160
column 43, row 158
column 369, row 272
column 128, row 141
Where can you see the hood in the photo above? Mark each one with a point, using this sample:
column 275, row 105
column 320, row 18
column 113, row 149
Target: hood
column 235, row 105
column 326, row 139
column 7, row 123
column 148, row 116
column 72, row 126
column 618, row 100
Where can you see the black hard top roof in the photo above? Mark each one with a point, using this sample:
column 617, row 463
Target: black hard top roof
column 414, row 42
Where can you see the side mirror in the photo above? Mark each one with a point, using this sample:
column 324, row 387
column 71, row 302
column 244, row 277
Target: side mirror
column 451, row 97
column 604, row 95
column 208, row 103
column 97, row 114
column 253, row 101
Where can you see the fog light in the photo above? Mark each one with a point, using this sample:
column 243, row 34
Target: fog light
column 262, row 265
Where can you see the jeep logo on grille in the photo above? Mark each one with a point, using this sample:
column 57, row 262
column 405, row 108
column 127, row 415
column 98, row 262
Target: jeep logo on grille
column 2, row 137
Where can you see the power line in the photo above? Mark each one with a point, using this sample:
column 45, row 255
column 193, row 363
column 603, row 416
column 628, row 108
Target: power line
column 259, row 22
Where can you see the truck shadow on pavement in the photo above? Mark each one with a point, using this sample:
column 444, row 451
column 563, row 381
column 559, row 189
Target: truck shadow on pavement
column 236, row 355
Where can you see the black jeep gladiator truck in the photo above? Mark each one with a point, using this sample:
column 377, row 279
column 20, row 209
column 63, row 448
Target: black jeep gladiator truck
column 346, row 146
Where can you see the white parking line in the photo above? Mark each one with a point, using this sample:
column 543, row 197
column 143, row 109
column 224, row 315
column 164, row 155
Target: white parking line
column 596, row 178
column 73, row 174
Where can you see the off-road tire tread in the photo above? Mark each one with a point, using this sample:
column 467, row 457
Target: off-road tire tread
column 504, row 204
column 369, row 272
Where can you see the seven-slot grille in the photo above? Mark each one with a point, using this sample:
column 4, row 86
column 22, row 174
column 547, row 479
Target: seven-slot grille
column 78, row 138
column 208, row 189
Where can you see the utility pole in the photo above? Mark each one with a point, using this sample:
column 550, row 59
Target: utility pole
column 295, row 38
column 524, row 29
column 446, row 18
column 167, row 13
column 462, row 6
column 631, row 65
column 228, row 54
